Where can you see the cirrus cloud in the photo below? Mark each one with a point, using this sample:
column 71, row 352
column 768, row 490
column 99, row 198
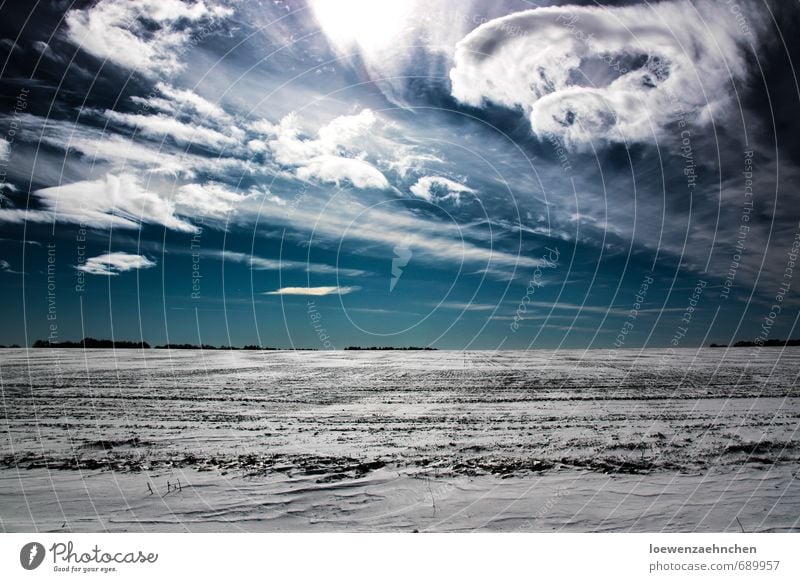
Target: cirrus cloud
column 143, row 35
column 117, row 200
column 115, row 263
column 437, row 188
column 175, row 101
column 607, row 74
column 183, row 133
column 122, row 201
column 313, row 291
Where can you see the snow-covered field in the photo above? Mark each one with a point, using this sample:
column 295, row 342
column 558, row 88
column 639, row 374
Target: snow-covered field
column 700, row 440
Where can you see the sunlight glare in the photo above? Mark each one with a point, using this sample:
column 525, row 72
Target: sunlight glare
column 368, row 24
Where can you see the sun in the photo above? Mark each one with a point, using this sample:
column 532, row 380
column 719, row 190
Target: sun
column 366, row 24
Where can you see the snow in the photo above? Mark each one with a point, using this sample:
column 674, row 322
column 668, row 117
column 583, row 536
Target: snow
column 382, row 441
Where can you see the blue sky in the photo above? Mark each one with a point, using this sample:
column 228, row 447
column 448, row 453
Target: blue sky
column 455, row 174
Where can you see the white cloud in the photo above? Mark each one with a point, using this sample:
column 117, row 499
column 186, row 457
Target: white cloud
column 263, row 127
column 125, row 153
column 184, row 133
column 437, row 189
column 314, row 291
column 601, row 309
column 604, row 73
column 211, row 200
column 463, row 306
column 431, row 241
column 332, row 156
column 185, row 100
column 5, row 149
column 262, row 264
column 344, row 129
column 335, row 169
column 272, row 198
column 123, row 202
column 118, row 201
column 257, row 147
column 143, row 35
column 40, row 47
column 406, row 163
column 115, row 263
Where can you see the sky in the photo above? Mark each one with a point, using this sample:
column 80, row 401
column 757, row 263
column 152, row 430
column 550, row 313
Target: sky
column 452, row 174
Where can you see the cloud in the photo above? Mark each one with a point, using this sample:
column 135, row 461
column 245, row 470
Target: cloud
column 344, row 129
column 610, row 311
column 5, row 149
column 160, row 125
column 462, row 306
column 115, row 263
column 333, row 156
column 336, row 169
column 608, row 74
column 118, row 201
column 45, row 51
column 262, row 264
column 123, row 152
column 313, row 291
column 5, row 267
column 376, row 36
column 10, row 45
column 176, row 100
column 444, row 244
column 437, row 189
column 5, row 201
column 292, row 146
column 211, row 200
column 144, row 35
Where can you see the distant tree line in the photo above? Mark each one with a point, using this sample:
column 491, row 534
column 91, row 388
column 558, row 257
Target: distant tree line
column 773, row 343
column 92, row 343
column 210, row 347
